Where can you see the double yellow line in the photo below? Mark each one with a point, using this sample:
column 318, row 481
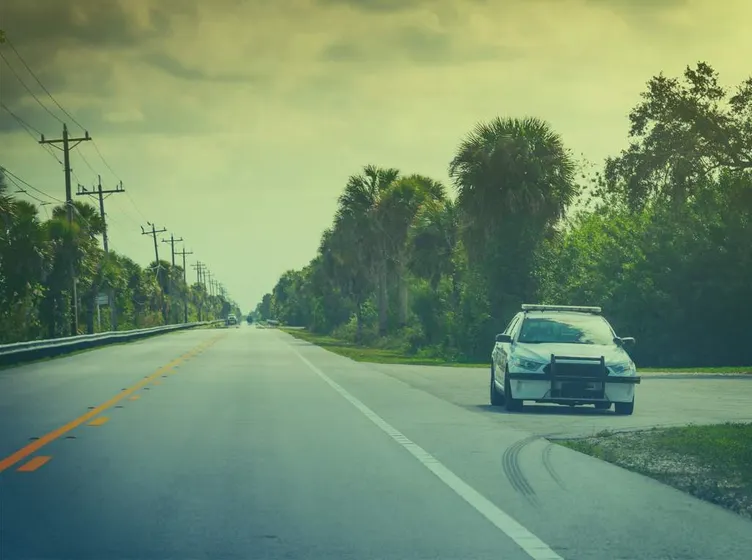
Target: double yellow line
column 37, row 444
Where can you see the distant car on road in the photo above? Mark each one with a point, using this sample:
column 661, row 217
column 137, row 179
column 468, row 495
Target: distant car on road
column 566, row 355
column 231, row 320
column 249, row 319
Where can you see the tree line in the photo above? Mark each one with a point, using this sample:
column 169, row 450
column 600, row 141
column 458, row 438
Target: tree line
column 36, row 259
column 660, row 237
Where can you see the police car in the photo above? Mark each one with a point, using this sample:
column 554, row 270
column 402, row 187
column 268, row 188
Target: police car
column 568, row 355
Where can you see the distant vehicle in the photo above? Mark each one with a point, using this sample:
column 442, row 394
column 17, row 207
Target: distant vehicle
column 231, row 320
column 249, row 319
column 568, row 355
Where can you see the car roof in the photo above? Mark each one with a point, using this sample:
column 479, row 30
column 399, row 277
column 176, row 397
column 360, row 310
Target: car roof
column 563, row 314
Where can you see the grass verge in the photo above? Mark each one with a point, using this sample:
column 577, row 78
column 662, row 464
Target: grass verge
column 369, row 354
column 709, row 462
column 388, row 356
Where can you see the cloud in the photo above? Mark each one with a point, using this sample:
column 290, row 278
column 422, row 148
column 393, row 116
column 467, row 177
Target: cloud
column 237, row 115
column 377, row 6
column 181, row 70
column 413, row 44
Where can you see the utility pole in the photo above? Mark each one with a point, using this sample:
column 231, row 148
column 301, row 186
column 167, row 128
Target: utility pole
column 100, row 194
column 171, row 241
column 211, row 284
column 199, row 266
column 185, row 281
column 105, row 237
column 67, row 147
column 154, row 231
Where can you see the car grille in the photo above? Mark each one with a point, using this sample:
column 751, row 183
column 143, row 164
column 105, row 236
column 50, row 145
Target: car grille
column 583, row 368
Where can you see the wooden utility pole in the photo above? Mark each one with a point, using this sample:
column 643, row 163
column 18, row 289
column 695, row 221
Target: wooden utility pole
column 105, row 237
column 170, row 284
column 67, row 147
column 154, row 231
column 199, row 266
column 185, row 281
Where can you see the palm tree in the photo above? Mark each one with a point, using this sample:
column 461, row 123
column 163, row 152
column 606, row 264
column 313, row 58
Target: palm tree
column 515, row 180
column 347, row 263
column 399, row 206
column 512, row 171
column 23, row 252
column 359, row 213
column 434, row 239
column 76, row 253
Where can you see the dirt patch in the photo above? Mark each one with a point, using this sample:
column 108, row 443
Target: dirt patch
column 713, row 463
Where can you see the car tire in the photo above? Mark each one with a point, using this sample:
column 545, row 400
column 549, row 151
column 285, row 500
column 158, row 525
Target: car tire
column 624, row 408
column 512, row 405
column 497, row 399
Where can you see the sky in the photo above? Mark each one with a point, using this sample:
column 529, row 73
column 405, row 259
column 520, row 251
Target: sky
column 235, row 124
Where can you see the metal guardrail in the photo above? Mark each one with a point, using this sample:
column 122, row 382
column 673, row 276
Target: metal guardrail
column 20, row 352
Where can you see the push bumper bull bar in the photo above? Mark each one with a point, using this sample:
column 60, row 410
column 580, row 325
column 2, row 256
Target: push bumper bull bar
column 576, row 379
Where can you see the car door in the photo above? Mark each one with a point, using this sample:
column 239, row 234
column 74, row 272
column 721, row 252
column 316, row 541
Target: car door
column 506, row 349
column 501, row 349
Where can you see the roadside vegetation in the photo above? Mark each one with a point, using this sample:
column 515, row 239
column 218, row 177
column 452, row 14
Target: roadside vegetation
column 658, row 236
column 391, row 352
column 709, row 462
column 36, row 256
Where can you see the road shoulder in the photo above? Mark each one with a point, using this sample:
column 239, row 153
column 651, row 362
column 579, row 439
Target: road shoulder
column 708, row 462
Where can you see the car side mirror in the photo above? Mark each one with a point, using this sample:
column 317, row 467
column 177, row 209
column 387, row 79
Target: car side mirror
column 503, row 338
column 625, row 341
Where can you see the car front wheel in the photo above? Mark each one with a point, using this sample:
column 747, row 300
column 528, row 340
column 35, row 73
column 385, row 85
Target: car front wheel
column 624, row 408
column 512, row 405
column 497, row 399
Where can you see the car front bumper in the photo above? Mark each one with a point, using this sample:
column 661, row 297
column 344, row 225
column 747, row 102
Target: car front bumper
column 542, row 387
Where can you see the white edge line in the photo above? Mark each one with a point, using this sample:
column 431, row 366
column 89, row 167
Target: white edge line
column 527, row 541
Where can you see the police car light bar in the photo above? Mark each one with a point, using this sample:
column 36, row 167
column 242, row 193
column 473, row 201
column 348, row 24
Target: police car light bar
column 577, row 308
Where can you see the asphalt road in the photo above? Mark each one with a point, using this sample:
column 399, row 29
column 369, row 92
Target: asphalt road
column 247, row 443
column 672, row 399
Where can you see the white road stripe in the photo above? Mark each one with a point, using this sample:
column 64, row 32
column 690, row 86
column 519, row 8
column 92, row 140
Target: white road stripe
column 532, row 545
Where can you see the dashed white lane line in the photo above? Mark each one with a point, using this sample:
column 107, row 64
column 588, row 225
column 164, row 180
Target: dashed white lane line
column 527, row 541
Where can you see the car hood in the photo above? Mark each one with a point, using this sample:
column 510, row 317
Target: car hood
column 542, row 352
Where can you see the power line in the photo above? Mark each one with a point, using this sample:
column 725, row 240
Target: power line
column 42, row 105
column 30, row 130
column 127, row 194
column 21, row 190
column 17, row 178
column 33, row 75
column 86, row 161
column 68, row 114
column 22, row 122
column 105, row 161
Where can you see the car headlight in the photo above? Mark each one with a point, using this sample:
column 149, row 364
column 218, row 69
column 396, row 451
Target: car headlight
column 523, row 363
column 623, row 368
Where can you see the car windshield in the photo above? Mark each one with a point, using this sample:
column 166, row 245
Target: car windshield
column 569, row 329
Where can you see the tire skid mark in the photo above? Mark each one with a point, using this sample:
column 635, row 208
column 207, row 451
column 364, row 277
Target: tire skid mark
column 548, row 464
column 511, row 466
